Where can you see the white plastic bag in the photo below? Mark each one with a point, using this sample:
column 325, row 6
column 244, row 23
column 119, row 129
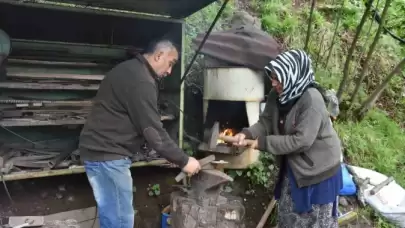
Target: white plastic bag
column 389, row 201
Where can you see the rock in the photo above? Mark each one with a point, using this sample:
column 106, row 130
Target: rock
column 61, row 188
column 71, row 198
column 58, row 195
column 243, row 18
column 44, row 195
column 343, row 201
column 228, row 189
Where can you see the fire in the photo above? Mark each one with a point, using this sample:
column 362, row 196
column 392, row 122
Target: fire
column 227, row 132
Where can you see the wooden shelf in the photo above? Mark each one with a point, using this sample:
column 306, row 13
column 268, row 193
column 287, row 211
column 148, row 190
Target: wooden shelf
column 44, row 76
column 20, row 122
column 72, row 170
column 56, row 63
column 47, row 86
column 27, row 122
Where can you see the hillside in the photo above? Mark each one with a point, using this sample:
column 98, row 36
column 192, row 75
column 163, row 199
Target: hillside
column 376, row 142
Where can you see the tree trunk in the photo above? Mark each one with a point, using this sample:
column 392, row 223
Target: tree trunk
column 318, row 54
column 189, row 212
column 351, row 50
column 370, row 52
column 335, row 33
column 311, row 15
column 369, row 103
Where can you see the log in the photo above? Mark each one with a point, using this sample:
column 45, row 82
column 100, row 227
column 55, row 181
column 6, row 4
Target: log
column 267, row 213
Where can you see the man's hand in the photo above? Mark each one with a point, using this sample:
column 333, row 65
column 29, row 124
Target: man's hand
column 192, row 167
column 240, row 140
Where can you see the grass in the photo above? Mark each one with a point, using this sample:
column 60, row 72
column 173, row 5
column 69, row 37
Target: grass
column 376, row 143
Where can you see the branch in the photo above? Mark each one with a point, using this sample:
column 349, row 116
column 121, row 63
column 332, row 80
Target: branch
column 370, row 52
column 368, row 104
column 351, row 50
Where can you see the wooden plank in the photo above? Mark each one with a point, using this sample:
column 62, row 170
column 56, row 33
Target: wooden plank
column 46, row 86
column 32, row 220
column 21, row 122
column 47, row 103
column 20, row 113
column 24, row 122
column 56, row 63
column 31, row 75
column 80, row 215
column 72, row 170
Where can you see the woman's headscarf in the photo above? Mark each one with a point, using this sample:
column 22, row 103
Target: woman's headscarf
column 293, row 70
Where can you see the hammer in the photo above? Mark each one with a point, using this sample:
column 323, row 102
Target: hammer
column 212, row 136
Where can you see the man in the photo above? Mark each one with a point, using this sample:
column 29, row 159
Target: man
column 124, row 114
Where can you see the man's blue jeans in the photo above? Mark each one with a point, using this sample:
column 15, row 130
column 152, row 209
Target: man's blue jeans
column 112, row 187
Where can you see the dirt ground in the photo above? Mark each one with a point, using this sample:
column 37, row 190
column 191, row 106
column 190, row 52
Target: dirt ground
column 57, row 194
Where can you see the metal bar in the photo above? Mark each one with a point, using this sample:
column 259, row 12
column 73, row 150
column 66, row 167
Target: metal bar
column 71, row 170
column 47, row 86
column 203, row 41
column 56, row 63
column 32, row 75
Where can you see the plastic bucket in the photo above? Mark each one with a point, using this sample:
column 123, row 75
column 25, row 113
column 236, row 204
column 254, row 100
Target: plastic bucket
column 166, row 218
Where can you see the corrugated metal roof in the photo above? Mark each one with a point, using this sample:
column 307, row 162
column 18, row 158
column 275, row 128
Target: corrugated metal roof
column 172, row 8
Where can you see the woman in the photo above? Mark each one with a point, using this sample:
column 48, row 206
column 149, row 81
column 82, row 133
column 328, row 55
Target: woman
column 296, row 128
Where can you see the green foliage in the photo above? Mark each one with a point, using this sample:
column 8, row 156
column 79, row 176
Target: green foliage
column 188, row 149
column 200, row 22
column 154, row 190
column 262, row 173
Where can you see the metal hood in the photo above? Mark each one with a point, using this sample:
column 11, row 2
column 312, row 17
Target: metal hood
column 171, row 8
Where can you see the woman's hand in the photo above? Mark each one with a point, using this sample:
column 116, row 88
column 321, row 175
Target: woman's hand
column 254, row 145
column 240, row 140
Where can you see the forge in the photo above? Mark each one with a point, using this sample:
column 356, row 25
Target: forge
column 233, row 96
